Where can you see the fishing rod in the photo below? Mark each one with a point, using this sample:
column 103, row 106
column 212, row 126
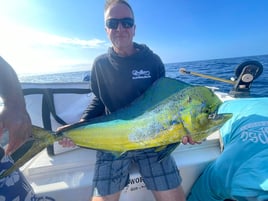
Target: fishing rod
column 184, row 71
column 245, row 74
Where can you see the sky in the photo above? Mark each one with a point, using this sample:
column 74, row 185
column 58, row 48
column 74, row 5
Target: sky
column 47, row 36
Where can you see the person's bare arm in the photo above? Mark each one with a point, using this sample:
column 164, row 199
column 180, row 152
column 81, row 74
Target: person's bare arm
column 14, row 116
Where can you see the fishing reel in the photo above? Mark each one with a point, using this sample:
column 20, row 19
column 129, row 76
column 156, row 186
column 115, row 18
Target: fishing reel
column 245, row 74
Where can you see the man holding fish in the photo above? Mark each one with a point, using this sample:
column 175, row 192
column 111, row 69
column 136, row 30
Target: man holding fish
column 148, row 130
column 118, row 78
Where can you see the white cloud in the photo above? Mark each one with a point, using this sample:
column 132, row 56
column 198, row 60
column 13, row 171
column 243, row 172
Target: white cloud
column 23, row 35
column 29, row 50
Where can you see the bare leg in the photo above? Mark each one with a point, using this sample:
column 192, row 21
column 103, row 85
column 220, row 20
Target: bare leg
column 113, row 197
column 176, row 194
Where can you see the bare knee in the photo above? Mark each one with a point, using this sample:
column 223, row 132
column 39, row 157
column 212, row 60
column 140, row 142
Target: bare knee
column 113, row 197
column 176, row 194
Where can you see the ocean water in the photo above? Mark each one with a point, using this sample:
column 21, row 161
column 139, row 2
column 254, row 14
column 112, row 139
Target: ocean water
column 221, row 68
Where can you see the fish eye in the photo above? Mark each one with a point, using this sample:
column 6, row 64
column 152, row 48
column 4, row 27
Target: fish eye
column 206, row 110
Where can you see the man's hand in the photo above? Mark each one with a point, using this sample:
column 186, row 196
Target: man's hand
column 19, row 126
column 65, row 142
column 188, row 139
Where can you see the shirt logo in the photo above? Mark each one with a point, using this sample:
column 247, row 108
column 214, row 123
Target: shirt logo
column 140, row 74
column 256, row 132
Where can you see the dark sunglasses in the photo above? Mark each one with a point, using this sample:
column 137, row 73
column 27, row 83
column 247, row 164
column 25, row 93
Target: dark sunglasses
column 113, row 23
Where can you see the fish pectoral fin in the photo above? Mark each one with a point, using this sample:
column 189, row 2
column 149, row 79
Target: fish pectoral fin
column 166, row 150
column 158, row 149
column 117, row 154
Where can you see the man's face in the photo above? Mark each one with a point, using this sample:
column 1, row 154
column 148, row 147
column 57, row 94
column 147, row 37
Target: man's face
column 120, row 37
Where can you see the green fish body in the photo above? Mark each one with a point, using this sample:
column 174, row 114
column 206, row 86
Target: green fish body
column 167, row 111
column 184, row 113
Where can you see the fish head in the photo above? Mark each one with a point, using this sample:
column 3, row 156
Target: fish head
column 199, row 114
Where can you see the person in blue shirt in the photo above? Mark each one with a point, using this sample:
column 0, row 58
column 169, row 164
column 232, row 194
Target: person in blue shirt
column 241, row 171
column 15, row 119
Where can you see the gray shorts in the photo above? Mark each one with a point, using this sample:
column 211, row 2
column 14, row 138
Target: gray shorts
column 112, row 173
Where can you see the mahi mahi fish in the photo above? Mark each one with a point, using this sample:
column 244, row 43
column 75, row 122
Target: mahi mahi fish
column 167, row 111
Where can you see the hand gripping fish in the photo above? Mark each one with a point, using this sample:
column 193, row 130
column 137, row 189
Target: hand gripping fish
column 167, row 111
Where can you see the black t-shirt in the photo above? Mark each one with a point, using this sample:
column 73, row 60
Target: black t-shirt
column 117, row 81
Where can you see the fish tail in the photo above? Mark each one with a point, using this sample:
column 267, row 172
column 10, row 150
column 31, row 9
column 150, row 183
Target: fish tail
column 40, row 140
